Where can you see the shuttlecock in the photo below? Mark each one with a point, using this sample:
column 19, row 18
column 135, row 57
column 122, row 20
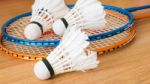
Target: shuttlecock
column 69, row 56
column 44, row 13
column 87, row 14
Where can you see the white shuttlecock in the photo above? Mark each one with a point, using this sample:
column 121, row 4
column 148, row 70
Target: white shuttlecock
column 44, row 13
column 87, row 14
column 68, row 56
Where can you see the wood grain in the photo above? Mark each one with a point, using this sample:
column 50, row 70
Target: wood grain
column 127, row 65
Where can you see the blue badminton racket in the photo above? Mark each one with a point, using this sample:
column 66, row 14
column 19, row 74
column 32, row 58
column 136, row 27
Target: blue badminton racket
column 118, row 20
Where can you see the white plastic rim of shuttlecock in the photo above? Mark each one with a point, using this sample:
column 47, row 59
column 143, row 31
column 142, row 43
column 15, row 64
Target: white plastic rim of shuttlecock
column 41, row 71
column 59, row 27
column 32, row 31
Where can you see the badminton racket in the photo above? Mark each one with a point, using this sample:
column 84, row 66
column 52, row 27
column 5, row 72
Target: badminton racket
column 36, row 53
column 118, row 20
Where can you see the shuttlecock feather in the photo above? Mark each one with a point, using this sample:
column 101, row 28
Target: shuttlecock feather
column 44, row 13
column 69, row 56
column 87, row 14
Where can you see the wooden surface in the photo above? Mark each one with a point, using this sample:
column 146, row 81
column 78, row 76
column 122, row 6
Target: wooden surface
column 127, row 65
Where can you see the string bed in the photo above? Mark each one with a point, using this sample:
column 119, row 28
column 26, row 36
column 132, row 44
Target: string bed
column 36, row 53
column 117, row 22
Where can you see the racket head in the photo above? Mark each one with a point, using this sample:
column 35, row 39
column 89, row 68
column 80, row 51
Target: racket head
column 36, row 53
column 118, row 20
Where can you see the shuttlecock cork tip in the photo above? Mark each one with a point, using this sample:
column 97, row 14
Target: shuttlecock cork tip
column 41, row 71
column 32, row 31
column 59, row 27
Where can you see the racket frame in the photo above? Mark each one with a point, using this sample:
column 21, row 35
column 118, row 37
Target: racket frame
column 42, row 43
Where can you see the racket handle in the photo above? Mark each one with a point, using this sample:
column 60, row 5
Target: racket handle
column 133, row 9
column 138, row 16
